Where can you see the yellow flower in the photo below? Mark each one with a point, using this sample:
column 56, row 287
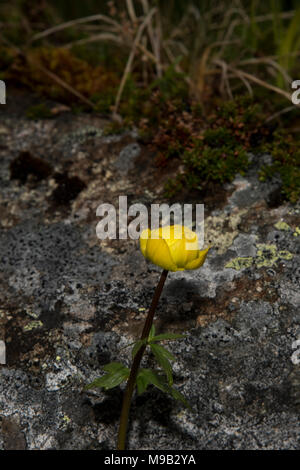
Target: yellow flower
column 174, row 248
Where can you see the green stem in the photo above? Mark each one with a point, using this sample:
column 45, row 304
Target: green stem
column 136, row 363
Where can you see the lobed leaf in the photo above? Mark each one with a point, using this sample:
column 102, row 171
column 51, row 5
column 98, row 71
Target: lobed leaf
column 162, row 356
column 149, row 377
column 168, row 336
column 178, row 396
column 117, row 373
column 152, row 333
column 138, row 346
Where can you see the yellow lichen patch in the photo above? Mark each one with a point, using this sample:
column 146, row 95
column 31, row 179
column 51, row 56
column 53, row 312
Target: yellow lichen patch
column 240, row 263
column 280, row 225
column 267, row 255
column 284, row 254
column 220, row 231
column 297, row 232
column 31, row 313
column 32, row 325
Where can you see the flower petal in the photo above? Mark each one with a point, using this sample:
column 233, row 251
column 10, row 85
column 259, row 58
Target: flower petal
column 178, row 253
column 196, row 263
column 174, row 248
column 157, row 251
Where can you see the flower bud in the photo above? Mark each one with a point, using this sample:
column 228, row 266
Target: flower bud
column 174, row 248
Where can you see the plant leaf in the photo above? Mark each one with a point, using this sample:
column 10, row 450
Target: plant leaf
column 142, row 381
column 163, row 351
column 117, row 373
column 167, row 336
column 162, row 356
column 148, row 376
column 178, row 396
column 137, row 346
column 113, row 367
column 152, row 333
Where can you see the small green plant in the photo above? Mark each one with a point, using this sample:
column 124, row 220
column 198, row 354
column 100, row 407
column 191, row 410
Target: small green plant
column 116, row 373
column 173, row 248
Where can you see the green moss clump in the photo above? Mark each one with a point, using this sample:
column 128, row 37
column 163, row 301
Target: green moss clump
column 215, row 149
column 286, row 164
column 209, row 162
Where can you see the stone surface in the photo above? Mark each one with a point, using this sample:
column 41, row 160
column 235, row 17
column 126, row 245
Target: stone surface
column 70, row 303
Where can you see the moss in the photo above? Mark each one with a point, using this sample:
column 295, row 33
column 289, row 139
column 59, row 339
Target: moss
column 286, row 164
column 213, row 163
column 214, row 149
column 217, row 150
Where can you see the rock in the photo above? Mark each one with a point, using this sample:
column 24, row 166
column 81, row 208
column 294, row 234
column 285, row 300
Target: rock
column 125, row 160
column 71, row 303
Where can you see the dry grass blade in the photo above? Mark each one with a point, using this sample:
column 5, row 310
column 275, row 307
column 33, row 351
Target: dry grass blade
column 131, row 11
column 63, row 84
column 94, row 38
column 130, row 59
column 282, row 111
column 269, row 61
column 256, row 19
column 201, row 73
column 203, row 68
column 147, row 53
column 183, row 50
column 153, row 41
column 246, row 83
column 252, row 78
column 224, row 77
column 69, row 24
column 191, row 13
column 157, row 45
column 260, row 82
column 229, row 24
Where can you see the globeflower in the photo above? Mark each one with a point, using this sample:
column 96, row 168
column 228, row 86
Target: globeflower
column 173, row 248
